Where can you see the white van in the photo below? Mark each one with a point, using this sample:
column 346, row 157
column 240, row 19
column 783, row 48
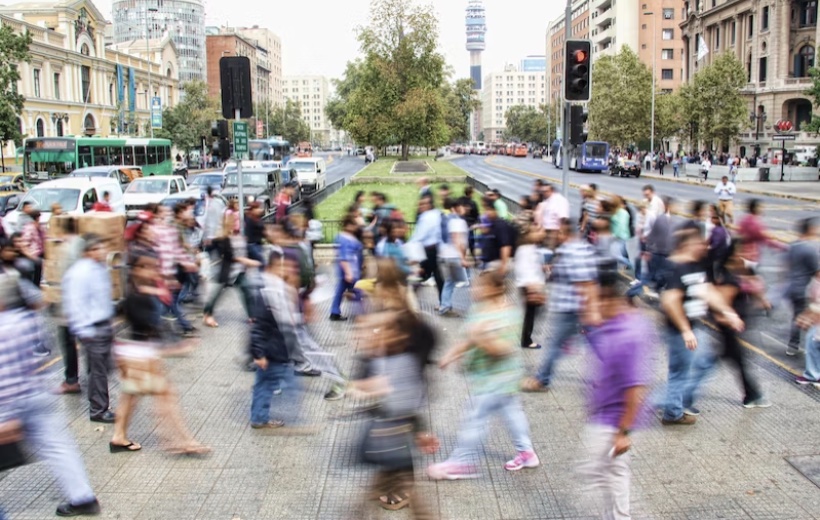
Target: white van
column 311, row 172
column 75, row 195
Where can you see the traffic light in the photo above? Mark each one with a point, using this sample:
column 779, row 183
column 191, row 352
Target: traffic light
column 219, row 129
column 577, row 70
column 578, row 117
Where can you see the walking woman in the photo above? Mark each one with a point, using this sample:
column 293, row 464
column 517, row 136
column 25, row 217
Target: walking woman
column 141, row 367
column 348, row 266
column 531, row 280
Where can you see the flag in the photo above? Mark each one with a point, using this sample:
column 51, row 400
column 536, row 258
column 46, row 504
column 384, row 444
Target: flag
column 703, row 49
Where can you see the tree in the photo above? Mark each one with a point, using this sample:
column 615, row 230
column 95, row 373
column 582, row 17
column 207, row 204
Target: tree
column 714, row 104
column 529, row 125
column 191, row 118
column 460, row 101
column 336, row 108
column 395, row 92
column 814, row 93
column 620, row 109
column 287, row 121
column 670, row 118
column 14, row 49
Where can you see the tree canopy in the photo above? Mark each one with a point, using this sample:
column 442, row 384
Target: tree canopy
column 814, row 93
column 191, row 118
column 14, row 49
column 528, row 124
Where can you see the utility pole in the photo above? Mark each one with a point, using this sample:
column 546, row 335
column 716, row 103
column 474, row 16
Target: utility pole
column 565, row 108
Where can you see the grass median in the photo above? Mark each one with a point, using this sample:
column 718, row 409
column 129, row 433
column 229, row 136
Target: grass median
column 384, row 165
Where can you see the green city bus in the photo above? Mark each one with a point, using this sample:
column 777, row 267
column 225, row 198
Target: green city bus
column 48, row 158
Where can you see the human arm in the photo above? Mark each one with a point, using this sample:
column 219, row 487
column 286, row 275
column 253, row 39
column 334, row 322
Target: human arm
column 633, row 397
column 672, row 305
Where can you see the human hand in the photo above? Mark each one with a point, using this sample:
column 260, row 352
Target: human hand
column 261, row 363
column 690, row 340
column 621, row 445
column 11, row 431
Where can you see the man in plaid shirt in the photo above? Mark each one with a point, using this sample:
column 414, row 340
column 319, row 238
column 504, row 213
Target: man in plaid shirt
column 26, row 411
column 172, row 255
column 572, row 298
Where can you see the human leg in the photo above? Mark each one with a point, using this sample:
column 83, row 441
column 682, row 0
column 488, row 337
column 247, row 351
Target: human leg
column 530, row 309
column 448, row 287
column 98, row 356
column 69, row 347
column 608, row 476
column 703, row 362
column 341, row 287
column 266, row 381
column 734, row 352
column 680, row 362
column 565, row 326
column 516, row 422
column 474, row 430
column 798, row 306
column 812, row 371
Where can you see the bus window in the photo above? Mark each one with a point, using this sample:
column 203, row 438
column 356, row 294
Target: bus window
column 167, row 153
column 160, row 154
column 85, row 156
column 100, row 155
column 115, row 154
column 128, row 156
column 152, row 155
column 139, row 155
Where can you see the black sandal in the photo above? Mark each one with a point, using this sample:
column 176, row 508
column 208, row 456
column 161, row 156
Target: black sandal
column 120, row 448
column 395, row 501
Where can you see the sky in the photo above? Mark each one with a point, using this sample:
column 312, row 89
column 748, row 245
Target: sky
column 318, row 36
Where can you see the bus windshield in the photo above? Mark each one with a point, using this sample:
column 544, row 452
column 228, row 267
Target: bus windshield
column 260, row 150
column 44, row 198
column 596, row 150
column 53, row 162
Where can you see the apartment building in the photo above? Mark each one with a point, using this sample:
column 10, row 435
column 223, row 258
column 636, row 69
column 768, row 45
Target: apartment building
column 221, row 45
column 555, row 45
column 504, row 90
column 311, row 93
column 776, row 40
column 268, row 60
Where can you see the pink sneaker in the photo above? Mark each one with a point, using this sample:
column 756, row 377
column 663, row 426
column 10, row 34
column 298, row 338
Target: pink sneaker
column 451, row 471
column 524, row 459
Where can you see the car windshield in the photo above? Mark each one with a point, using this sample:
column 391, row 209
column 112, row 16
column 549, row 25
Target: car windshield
column 148, row 186
column 93, row 173
column 302, row 166
column 44, row 198
column 248, row 179
column 6, row 179
column 207, row 180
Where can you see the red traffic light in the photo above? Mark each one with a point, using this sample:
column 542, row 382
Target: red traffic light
column 579, row 56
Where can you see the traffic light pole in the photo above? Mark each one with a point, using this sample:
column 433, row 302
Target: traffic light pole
column 239, row 182
column 565, row 119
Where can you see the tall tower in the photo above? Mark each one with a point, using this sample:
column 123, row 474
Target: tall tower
column 476, row 29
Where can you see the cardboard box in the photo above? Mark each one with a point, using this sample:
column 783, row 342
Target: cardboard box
column 110, row 226
column 52, row 293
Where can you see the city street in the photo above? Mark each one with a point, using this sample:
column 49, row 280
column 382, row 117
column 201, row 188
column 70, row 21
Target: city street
column 733, row 464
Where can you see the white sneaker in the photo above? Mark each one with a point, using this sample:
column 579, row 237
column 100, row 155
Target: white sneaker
column 430, row 282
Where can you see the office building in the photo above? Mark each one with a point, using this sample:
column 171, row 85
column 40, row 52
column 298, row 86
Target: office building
column 533, row 64
column 182, row 20
column 776, row 42
column 311, row 94
column 268, row 60
column 504, row 90
column 555, row 45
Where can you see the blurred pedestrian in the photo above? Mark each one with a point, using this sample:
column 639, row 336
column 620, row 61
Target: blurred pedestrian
column 348, row 266
column 103, row 205
column 725, row 192
column 802, row 262
column 428, row 233
column 492, row 359
column 530, row 279
column 498, row 238
column 810, row 321
column 90, row 311
column 621, row 344
column 452, row 253
column 550, row 212
column 255, row 231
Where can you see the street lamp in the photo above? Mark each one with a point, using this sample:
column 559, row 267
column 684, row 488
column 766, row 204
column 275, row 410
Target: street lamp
column 149, row 99
column 654, row 60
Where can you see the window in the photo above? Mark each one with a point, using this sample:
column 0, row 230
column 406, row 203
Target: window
column 56, row 85
column 717, row 38
column 668, row 13
column 36, row 82
column 733, row 34
column 667, row 74
column 803, row 61
column 807, row 13
column 139, row 156
column 128, row 157
column 152, row 155
column 85, row 79
column 762, row 72
column 751, row 25
column 100, row 155
column 668, row 54
column 668, row 34
column 764, row 19
column 41, row 128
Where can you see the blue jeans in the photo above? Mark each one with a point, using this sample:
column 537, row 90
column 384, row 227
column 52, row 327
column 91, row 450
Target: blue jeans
column 277, row 375
column 453, row 273
column 680, row 364
column 44, row 430
column 564, row 325
column 704, row 361
column 812, row 356
column 474, row 429
column 176, row 311
column 341, row 288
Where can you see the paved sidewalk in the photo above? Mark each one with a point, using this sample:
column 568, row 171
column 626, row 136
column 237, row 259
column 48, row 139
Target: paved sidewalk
column 731, row 464
column 808, row 191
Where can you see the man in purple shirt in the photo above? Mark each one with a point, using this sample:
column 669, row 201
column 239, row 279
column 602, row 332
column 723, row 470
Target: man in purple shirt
column 621, row 347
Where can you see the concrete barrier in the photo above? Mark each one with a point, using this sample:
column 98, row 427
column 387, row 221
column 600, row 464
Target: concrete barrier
column 791, row 173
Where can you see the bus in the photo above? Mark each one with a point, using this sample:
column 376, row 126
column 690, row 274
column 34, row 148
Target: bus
column 520, row 150
column 271, row 149
column 48, row 158
column 592, row 156
column 304, row 149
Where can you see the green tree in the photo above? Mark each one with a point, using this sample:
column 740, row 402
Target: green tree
column 287, row 121
column 714, row 104
column 191, row 118
column 620, row 109
column 14, row 49
column 460, row 101
column 814, row 93
column 396, row 97
column 336, row 108
column 529, row 125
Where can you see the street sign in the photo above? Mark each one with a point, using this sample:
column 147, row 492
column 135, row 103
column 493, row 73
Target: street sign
column 240, row 138
column 156, row 112
column 783, row 137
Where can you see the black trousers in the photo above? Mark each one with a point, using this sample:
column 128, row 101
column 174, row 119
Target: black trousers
column 530, row 312
column 734, row 352
column 68, row 343
column 798, row 306
column 430, row 267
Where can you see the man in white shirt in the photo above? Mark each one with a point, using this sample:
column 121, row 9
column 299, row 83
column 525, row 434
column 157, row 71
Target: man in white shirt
column 452, row 252
column 705, row 166
column 725, row 191
column 550, row 212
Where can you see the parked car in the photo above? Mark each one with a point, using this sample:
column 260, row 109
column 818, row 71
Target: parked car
column 9, row 200
column 147, row 190
column 123, row 174
column 214, row 179
column 258, row 185
column 12, row 181
column 537, row 153
column 311, row 172
column 628, row 169
column 75, row 195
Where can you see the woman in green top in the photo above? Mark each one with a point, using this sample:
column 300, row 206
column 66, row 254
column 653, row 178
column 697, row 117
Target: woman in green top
column 492, row 360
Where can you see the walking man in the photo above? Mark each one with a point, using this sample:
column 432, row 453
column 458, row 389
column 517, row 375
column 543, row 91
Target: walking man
column 89, row 310
column 725, row 191
column 802, row 258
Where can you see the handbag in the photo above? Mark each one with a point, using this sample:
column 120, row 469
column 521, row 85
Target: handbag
column 141, row 370
column 387, row 443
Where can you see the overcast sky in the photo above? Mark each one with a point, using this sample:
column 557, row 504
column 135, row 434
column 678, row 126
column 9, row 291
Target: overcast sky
column 318, row 36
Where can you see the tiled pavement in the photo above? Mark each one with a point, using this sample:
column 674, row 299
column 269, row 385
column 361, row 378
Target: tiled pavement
column 731, row 465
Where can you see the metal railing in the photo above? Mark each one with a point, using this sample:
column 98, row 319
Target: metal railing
column 331, row 228
column 317, row 198
column 512, row 205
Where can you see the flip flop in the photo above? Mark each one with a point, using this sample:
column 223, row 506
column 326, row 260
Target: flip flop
column 395, row 501
column 120, row 448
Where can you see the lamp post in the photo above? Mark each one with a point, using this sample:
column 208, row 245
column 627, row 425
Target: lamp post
column 654, row 78
column 149, row 99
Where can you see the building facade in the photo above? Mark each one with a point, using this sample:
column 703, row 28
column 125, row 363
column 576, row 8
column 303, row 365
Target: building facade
column 504, row 90
column 74, row 85
column 776, row 40
column 218, row 46
column 555, row 45
column 182, row 20
column 311, row 94
column 268, row 60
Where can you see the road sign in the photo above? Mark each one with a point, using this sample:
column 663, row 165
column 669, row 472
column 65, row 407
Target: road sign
column 156, row 112
column 240, row 137
column 783, row 137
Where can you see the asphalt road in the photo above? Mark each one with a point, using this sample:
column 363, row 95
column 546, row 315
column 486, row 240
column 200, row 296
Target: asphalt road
column 515, row 176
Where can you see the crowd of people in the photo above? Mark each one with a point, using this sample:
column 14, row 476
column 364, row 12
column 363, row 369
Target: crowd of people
column 473, row 248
